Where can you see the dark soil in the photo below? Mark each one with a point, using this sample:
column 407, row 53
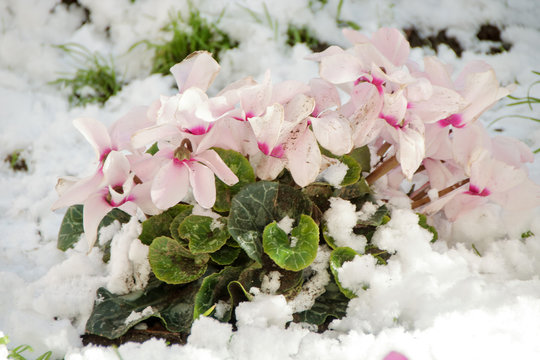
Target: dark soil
column 155, row 330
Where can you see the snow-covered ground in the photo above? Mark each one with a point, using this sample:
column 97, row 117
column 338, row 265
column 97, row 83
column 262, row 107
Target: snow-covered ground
column 432, row 301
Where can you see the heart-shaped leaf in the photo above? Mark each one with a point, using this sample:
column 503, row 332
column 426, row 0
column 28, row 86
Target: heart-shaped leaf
column 256, row 206
column 353, row 171
column 339, row 256
column 213, row 289
column 72, row 225
column 173, row 263
column 226, row 255
column 298, row 252
column 159, row 225
column 113, row 315
column 205, row 234
column 173, row 228
column 241, row 167
column 332, row 303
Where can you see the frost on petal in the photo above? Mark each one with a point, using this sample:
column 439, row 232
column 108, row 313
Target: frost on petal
column 96, row 134
column 303, row 157
column 203, row 184
column 94, row 210
column 197, row 70
column 333, row 132
column 211, row 159
column 170, row 185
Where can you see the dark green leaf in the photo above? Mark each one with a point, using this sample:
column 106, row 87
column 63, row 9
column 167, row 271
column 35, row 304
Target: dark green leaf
column 362, row 157
column 72, row 225
column 205, row 234
column 257, row 205
column 319, row 193
column 330, row 304
column 159, row 225
column 173, row 228
column 241, row 167
column 297, row 256
column 213, row 289
column 173, row 263
column 353, row 172
column 339, row 256
column 226, row 255
column 113, row 315
column 378, row 218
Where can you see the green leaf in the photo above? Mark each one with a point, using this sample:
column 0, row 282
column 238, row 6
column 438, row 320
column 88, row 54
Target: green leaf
column 287, row 255
column 113, row 315
column 362, row 157
column 174, row 264
column 152, row 150
column 226, row 255
column 422, row 221
column 257, row 205
column 339, row 256
column 353, row 171
column 241, row 167
column 319, row 193
column 72, row 225
column 173, row 228
column 238, row 293
column 159, row 225
column 358, row 190
column 213, row 289
column 332, row 303
column 205, row 234
column 71, row 228
column 380, row 217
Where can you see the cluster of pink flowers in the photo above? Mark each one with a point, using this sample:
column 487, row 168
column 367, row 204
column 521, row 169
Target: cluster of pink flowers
column 420, row 119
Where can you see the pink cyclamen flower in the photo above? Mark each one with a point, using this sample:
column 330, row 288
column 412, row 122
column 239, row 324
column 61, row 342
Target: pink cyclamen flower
column 120, row 188
column 395, row 356
column 184, row 167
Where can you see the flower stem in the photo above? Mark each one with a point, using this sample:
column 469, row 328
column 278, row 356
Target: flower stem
column 383, row 149
column 425, row 200
column 380, row 171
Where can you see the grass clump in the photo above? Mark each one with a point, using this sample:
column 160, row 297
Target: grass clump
column 95, row 80
column 16, row 353
column 188, row 35
column 16, row 161
column 303, row 35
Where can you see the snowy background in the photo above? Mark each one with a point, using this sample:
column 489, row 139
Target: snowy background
column 432, row 301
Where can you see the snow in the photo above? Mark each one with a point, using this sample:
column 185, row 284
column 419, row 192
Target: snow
column 432, row 301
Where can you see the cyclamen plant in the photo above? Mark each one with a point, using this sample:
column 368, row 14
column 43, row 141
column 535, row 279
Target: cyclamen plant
column 238, row 188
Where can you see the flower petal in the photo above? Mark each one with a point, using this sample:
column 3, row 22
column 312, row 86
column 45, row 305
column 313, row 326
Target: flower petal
column 77, row 192
column 203, row 184
column 197, row 70
column 94, row 210
column 333, row 132
column 96, row 134
column 303, row 157
column 170, row 185
column 211, row 159
column 116, row 169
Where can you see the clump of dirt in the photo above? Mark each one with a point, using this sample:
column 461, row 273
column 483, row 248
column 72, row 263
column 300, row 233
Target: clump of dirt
column 433, row 41
column 489, row 32
column 16, row 161
column 486, row 32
